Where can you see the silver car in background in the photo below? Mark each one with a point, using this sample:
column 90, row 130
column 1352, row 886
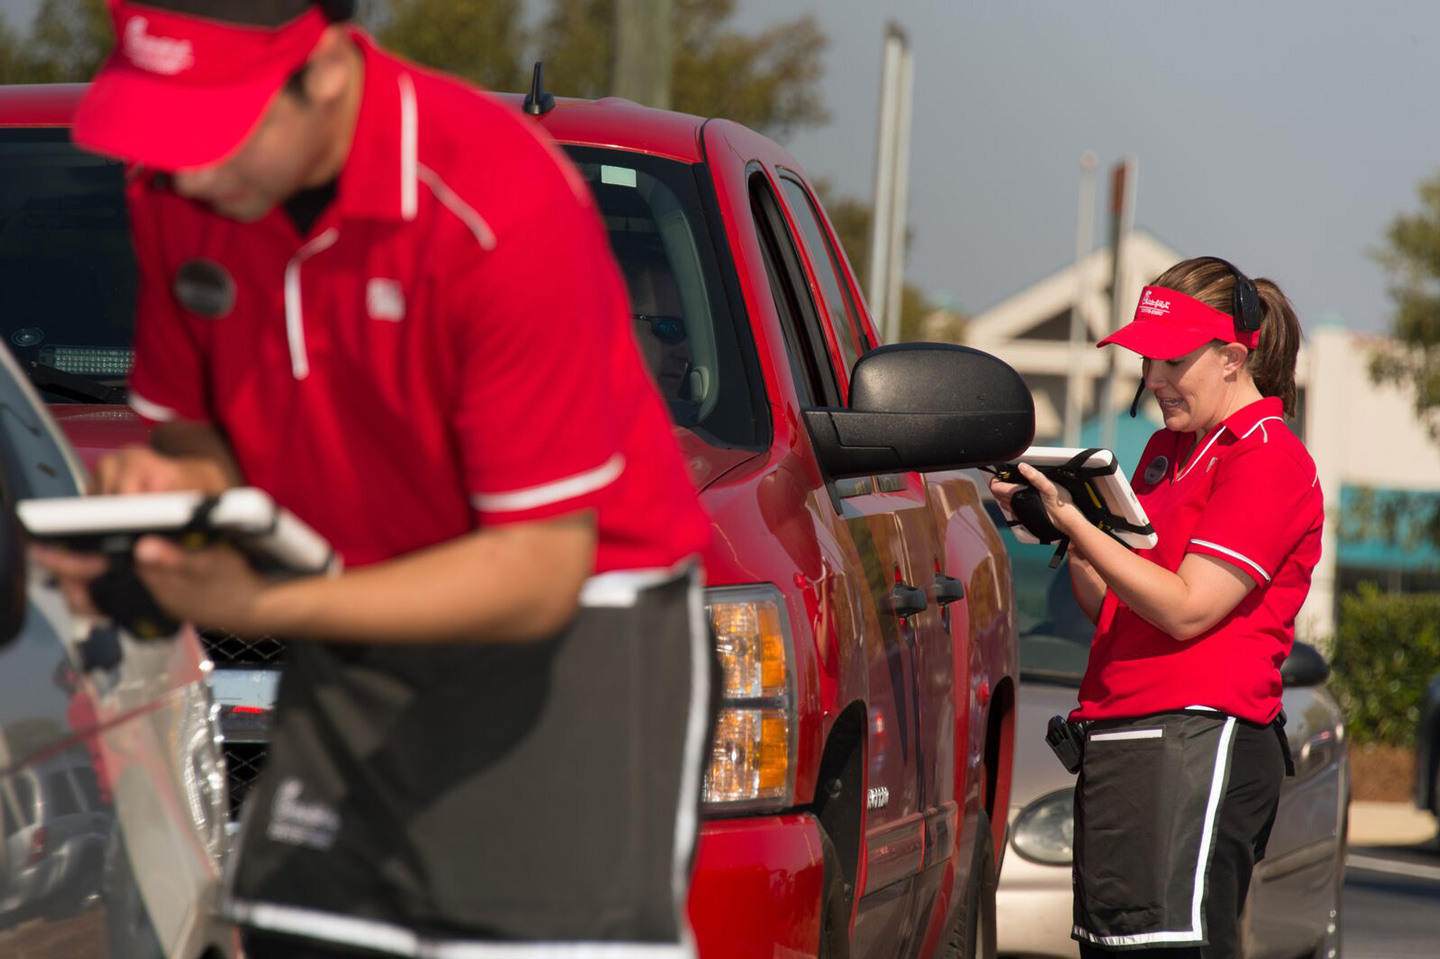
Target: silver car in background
column 1293, row 909
column 112, row 789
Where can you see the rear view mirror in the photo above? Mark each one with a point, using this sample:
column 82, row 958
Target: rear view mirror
column 13, row 597
column 1304, row 667
column 924, row 407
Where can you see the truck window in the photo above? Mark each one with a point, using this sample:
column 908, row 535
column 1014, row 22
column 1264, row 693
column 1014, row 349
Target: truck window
column 844, row 320
column 804, row 340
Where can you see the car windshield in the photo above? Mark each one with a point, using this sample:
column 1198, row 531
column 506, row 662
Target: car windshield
column 1054, row 631
column 67, row 273
column 68, row 276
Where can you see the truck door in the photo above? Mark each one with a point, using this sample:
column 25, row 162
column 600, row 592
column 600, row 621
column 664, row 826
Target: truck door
column 896, row 798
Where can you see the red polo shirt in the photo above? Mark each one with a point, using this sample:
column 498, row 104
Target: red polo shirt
column 1247, row 494
column 448, row 348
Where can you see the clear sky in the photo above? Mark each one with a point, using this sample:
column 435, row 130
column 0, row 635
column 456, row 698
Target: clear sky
column 1282, row 134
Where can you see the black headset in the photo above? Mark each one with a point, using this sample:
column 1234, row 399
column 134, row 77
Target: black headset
column 1245, row 304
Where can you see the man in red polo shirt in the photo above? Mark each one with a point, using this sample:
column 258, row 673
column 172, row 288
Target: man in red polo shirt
column 388, row 301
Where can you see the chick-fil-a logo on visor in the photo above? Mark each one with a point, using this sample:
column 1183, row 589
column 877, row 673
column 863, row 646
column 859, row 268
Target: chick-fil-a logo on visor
column 1152, row 306
column 162, row 55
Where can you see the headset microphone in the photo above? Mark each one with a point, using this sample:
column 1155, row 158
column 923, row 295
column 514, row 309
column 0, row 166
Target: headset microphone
column 1135, row 403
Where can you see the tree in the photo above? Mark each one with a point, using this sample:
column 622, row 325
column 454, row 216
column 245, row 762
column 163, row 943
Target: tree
column 67, row 42
column 768, row 81
column 12, row 66
column 480, row 40
column 1412, row 260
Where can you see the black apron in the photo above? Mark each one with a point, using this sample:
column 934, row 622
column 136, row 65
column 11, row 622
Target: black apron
column 425, row 800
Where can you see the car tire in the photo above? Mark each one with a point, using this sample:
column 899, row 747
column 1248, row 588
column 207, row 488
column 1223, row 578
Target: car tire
column 835, row 914
column 973, row 936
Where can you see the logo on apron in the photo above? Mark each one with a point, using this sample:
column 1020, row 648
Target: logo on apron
column 205, row 288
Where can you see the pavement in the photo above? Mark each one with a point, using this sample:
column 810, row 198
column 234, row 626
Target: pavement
column 1390, row 824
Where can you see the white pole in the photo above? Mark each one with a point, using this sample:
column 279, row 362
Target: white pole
column 1077, row 382
column 1119, row 287
column 899, row 214
column 884, row 182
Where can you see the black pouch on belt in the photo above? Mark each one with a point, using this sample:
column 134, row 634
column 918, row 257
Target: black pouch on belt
column 1067, row 739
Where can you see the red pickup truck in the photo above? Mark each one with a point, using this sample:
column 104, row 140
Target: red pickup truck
column 860, row 597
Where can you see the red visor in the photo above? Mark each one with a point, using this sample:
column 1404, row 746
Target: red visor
column 182, row 91
column 1168, row 325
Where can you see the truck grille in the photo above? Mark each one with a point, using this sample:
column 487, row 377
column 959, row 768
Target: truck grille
column 227, row 649
column 243, row 762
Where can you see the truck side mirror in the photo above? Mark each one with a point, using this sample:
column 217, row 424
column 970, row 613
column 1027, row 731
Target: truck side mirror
column 1303, row 667
column 924, row 407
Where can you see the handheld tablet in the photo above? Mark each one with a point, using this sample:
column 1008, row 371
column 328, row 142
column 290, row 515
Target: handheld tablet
column 271, row 537
column 1095, row 483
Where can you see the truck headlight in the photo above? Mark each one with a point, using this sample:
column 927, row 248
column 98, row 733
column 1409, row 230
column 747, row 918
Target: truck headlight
column 1045, row 830
column 752, row 757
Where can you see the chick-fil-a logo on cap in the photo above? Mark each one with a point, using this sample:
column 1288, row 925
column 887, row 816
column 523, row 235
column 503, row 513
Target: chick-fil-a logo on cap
column 163, row 55
column 1150, row 305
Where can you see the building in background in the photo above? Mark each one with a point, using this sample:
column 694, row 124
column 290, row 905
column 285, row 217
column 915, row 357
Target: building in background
column 1371, row 451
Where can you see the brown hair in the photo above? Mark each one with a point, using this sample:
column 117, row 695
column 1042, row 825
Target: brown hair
column 1272, row 362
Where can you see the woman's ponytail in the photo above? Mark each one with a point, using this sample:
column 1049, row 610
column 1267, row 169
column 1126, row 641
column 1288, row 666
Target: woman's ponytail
column 1272, row 362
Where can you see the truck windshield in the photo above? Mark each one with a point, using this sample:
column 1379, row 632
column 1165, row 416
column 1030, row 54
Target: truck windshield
column 67, row 273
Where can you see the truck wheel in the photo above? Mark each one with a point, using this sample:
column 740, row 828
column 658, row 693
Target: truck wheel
column 835, row 917
column 974, row 934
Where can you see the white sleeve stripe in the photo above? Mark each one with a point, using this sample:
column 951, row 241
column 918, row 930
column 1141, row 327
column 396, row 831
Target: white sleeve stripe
column 548, row 493
column 1230, row 552
column 152, row 411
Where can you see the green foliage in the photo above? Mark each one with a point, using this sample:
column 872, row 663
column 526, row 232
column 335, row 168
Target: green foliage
column 1412, row 259
column 66, row 43
column 768, row 81
column 1387, row 646
column 480, row 40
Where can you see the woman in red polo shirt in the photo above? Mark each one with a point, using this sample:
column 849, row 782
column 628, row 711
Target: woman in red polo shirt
column 1184, row 753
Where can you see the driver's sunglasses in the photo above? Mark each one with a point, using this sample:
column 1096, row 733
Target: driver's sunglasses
column 666, row 329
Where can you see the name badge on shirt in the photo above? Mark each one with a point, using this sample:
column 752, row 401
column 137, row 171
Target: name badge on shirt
column 205, row 288
column 1155, row 472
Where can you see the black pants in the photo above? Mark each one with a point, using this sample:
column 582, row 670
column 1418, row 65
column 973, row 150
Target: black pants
column 1241, row 831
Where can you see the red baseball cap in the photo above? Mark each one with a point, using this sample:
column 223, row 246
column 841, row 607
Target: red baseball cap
column 183, row 89
column 1168, row 324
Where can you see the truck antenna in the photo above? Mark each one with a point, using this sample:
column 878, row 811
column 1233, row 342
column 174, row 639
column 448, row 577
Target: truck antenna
column 537, row 101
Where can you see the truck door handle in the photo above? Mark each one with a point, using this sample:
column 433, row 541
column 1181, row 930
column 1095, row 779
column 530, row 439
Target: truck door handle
column 948, row 589
column 907, row 600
